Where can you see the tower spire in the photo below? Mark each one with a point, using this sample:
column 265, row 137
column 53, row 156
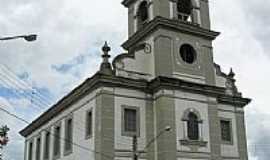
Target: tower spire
column 105, row 66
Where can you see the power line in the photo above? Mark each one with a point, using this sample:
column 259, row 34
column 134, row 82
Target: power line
column 77, row 122
column 14, row 77
column 19, row 87
column 16, row 86
column 56, row 136
column 13, row 115
column 19, row 95
column 9, row 71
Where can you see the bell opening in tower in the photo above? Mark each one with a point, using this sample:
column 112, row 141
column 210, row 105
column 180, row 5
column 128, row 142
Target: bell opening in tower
column 142, row 13
column 184, row 10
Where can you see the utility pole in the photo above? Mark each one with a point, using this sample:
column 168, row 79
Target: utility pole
column 135, row 147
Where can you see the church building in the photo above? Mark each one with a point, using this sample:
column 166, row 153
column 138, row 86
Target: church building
column 164, row 99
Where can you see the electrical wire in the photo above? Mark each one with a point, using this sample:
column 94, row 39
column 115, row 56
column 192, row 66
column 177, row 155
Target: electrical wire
column 56, row 136
column 35, row 104
column 9, row 71
column 8, row 81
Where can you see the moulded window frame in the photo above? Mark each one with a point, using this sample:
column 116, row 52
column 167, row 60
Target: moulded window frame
column 231, row 142
column 128, row 133
column 195, row 54
column 67, row 141
column 198, row 60
column 189, row 142
column 89, row 135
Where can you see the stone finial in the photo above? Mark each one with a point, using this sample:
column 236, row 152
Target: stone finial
column 105, row 66
column 231, row 74
column 231, row 88
column 106, row 48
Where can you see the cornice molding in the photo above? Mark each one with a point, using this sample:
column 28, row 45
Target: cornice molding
column 152, row 87
column 171, row 24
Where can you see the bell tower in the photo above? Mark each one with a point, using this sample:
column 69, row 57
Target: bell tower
column 143, row 11
column 176, row 35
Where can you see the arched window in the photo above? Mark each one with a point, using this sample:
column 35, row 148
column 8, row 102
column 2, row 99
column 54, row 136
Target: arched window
column 142, row 13
column 184, row 10
column 193, row 126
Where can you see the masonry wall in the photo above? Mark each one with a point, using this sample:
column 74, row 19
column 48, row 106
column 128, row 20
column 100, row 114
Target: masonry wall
column 78, row 112
column 165, row 107
column 129, row 98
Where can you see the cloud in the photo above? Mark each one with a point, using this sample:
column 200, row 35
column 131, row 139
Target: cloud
column 71, row 34
column 72, row 66
column 259, row 145
column 65, row 30
column 257, row 13
column 242, row 47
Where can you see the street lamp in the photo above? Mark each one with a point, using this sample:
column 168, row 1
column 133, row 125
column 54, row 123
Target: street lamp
column 166, row 129
column 136, row 154
column 28, row 38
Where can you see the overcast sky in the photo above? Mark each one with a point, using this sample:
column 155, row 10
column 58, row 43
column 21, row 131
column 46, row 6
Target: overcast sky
column 72, row 32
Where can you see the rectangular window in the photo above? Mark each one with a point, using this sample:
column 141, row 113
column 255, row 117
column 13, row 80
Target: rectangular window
column 47, row 145
column 30, row 151
column 68, row 136
column 38, row 149
column 89, row 124
column 226, row 131
column 57, row 142
column 130, row 120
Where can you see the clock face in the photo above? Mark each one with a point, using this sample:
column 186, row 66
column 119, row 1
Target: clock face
column 188, row 53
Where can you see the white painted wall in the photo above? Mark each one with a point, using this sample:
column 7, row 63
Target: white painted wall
column 78, row 111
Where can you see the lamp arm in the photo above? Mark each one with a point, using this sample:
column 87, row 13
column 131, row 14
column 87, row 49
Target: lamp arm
column 151, row 141
column 11, row 38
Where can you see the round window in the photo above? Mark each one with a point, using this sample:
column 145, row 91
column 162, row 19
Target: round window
column 188, row 53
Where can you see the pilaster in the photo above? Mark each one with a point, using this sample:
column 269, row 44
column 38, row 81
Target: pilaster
column 104, row 125
column 165, row 116
column 149, row 120
column 241, row 135
column 214, row 130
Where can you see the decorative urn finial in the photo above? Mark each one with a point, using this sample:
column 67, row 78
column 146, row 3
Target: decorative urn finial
column 105, row 66
column 106, row 48
column 231, row 74
column 231, row 88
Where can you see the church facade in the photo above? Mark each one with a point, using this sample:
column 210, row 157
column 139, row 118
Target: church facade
column 165, row 99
